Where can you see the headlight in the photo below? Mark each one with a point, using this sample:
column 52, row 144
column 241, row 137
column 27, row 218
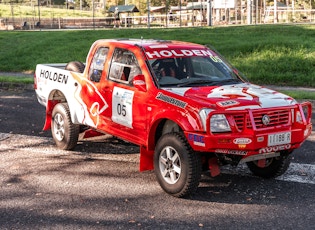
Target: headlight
column 219, row 124
column 203, row 115
column 298, row 117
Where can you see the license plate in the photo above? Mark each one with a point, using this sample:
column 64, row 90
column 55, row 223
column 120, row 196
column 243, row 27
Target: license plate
column 279, row 139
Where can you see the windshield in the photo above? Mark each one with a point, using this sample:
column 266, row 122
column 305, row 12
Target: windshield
column 204, row 69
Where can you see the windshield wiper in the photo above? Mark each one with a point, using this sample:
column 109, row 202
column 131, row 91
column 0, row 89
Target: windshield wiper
column 231, row 80
column 194, row 82
column 168, row 84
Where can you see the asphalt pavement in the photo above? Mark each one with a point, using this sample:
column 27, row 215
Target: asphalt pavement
column 98, row 185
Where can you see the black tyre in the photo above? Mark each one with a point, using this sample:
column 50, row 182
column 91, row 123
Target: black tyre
column 75, row 66
column 274, row 167
column 177, row 167
column 64, row 132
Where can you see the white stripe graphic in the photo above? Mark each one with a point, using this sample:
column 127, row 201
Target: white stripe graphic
column 300, row 173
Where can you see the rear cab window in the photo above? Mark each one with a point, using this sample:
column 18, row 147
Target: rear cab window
column 97, row 65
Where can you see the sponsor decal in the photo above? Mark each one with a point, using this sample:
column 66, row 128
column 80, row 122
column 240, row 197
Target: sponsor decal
column 53, row 76
column 229, row 151
column 227, row 103
column 272, row 149
column 171, row 100
column 242, row 141
column 167, row 53
column 260, row 139
column 197, row 139
column 138, row 82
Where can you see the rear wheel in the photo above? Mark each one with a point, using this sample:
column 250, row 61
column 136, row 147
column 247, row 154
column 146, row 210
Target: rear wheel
column 177, row 167
column 64, row 132
column 271, row 167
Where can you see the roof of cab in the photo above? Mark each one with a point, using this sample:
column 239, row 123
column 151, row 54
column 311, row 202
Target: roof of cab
column 152, row 43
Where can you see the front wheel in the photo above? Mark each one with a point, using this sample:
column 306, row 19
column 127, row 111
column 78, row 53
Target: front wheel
column 177, row 167
column 271, row 167
column 64, row 132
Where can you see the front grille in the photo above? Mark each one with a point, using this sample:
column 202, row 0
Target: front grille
column 239, row 121
column 276, row 118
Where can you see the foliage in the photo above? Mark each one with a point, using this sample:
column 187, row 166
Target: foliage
column 84, row 3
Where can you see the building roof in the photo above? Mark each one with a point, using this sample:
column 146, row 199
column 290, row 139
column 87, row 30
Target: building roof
column 124, row 8
column 196, row 5
column 157, row 8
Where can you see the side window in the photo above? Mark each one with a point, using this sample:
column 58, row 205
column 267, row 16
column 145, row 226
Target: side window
column 124, row 66
column 97, row 64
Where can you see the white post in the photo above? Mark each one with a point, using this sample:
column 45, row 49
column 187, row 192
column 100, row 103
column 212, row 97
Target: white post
column 249, row 13
column 209, row 13
column 148, row 4
column 275, row 11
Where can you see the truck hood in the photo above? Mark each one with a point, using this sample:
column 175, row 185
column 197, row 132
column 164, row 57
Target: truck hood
column 236, row 96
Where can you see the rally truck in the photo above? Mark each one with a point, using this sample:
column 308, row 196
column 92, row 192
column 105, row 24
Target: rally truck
column 183, row 104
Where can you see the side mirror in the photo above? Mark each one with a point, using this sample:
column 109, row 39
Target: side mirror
column 139, row 82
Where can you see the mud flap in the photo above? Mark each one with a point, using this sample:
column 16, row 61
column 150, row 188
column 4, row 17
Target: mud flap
column 146, row 159
column 214, row 166
column 49, row 108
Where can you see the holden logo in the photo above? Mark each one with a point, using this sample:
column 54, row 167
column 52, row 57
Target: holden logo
column 265, row 119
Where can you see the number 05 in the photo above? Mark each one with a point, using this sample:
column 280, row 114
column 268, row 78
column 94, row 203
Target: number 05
column 121, row 109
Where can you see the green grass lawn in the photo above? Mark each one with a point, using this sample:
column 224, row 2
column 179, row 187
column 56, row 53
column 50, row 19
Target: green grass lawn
column 267, row 54
column 299, row 94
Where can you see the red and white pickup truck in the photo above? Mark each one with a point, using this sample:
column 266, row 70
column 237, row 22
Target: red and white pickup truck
column 185, row 106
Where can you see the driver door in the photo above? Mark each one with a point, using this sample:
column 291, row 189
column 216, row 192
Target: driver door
column 128, row 104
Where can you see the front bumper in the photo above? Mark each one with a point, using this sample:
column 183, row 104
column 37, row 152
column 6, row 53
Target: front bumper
column 253, row 139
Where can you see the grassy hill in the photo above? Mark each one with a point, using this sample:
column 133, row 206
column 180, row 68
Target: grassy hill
column 19, row 10
column 266, row 54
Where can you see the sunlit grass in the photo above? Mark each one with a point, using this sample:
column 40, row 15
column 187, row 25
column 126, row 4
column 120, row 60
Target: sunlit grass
column 267, row 54
column 280, row 64
column 299, row 94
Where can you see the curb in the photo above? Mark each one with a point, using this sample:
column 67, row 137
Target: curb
column 17, row 74
column 289, row 88
column 15, row 86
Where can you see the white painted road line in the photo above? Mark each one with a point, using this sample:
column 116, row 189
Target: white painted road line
column 301, row 173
